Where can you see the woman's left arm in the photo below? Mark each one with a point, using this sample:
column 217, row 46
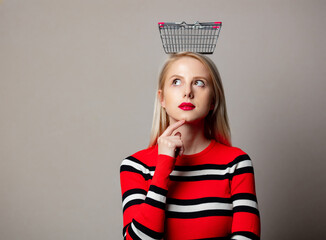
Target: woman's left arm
column 246, row 218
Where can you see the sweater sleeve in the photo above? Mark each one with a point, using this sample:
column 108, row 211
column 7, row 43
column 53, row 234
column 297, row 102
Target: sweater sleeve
column 143, row 206
column 246, row 219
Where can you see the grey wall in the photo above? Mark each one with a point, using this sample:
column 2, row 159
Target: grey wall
column 77, row 87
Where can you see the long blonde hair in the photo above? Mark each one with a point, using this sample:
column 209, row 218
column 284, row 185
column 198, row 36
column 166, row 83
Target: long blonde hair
column 216, row 122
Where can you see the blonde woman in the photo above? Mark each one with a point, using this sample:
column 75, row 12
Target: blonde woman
column 190, row 182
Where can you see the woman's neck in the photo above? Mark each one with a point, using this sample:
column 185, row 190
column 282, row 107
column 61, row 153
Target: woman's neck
column 193, row 137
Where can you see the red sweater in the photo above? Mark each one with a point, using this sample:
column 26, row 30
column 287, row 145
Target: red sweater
column 208, row 195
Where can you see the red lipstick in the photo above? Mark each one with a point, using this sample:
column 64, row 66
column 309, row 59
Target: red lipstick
column 186, row 106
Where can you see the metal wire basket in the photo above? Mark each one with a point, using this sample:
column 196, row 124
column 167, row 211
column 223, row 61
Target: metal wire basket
column 200, row 37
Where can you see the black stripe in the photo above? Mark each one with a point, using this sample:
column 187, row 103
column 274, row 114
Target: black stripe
column 201, row 167
column 199, row 214
column 246, row 209
column 133, row 191
column 158, row 190
column 213, row 166
column 125, row 229
column 155, row 203
column 212, row 177
column 241, row 196
column 243, row 170
column 246, row 234
column 132, row 234
column 239, row 158
column 147, row 231
column 203, row 177
column 199, row 178
column 194, row 168
column 131, row 158
column 131, row 203
column 134, row 170
column 197, row 200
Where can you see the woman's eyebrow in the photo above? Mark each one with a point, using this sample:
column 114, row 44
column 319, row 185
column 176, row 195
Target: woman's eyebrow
column 196, row 77
column 175, row 75
column 201, row 77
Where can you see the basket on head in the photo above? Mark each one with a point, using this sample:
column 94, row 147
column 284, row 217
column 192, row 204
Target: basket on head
column 200, row 37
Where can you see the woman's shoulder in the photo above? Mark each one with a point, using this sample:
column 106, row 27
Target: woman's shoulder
column 145, row 155
column 231, row 153
column 146, row 152
column 233, row 149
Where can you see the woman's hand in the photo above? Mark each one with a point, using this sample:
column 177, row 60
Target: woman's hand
column 171, row 145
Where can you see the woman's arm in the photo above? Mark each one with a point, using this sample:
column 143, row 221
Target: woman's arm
column 144, row 211
column 246, row 219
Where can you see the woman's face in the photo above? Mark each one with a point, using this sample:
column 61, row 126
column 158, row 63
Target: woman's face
column 188, row 91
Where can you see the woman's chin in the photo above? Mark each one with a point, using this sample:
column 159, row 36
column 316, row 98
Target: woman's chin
column 188, row 120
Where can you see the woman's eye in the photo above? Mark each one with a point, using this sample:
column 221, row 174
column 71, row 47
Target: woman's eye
column 200, row 83
column 176, row 82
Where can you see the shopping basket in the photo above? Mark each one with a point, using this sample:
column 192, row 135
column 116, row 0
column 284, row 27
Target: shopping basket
column 200, row 37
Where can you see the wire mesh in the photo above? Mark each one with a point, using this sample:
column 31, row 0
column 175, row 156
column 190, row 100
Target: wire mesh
column 198, row 37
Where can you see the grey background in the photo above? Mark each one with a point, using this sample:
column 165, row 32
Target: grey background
column 77, row 89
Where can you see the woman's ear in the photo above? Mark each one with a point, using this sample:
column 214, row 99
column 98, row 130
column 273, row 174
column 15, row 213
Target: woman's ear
column 161, row 97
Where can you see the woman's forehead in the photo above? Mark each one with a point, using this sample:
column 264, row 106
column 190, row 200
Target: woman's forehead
column 188, row 66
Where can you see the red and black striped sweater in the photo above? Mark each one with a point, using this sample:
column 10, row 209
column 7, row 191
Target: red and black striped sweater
column 208, row 195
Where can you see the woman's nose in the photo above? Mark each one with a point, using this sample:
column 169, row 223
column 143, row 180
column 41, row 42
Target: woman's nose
column 188, row 91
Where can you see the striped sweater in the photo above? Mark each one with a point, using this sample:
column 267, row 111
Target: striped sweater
column 208, row 195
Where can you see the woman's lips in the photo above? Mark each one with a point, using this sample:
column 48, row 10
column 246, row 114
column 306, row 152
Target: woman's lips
column 186, row 106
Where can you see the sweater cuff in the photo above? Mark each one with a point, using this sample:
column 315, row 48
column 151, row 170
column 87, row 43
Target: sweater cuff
column 164, row 167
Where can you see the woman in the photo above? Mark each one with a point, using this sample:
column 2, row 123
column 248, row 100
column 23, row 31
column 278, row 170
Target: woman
column 190, row 183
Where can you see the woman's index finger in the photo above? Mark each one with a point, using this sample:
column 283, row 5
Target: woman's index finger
column 168, row 131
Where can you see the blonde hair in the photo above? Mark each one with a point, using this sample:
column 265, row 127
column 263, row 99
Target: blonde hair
column 216, row 122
